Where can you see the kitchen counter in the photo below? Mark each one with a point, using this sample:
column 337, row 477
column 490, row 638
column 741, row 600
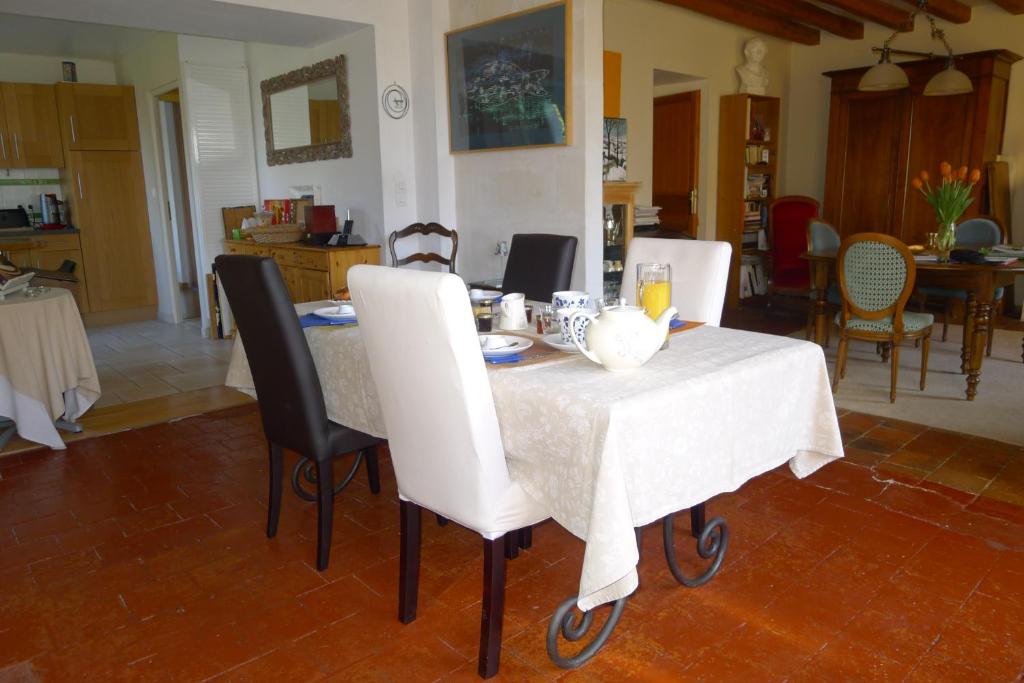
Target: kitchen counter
column 31, row 232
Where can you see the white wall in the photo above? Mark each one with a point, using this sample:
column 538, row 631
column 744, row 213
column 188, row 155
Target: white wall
column 151, row 70
column 19, row 68
column 354, row 183
column 549, row 189
column 652, row 35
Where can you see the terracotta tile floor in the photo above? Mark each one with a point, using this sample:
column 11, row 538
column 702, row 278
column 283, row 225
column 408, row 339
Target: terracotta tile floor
column 141, row 556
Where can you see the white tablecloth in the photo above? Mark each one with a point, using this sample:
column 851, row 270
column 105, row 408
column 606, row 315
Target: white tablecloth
column 606, row 452
column 46, row 365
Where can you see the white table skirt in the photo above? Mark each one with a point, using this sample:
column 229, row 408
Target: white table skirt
column 606, row 452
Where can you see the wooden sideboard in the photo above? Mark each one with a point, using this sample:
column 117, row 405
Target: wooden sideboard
column 311, row 273
column 48, row 252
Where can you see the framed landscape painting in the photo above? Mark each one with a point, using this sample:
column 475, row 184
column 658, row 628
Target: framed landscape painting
column 508, row 81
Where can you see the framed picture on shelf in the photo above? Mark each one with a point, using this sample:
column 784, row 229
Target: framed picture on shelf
column 614, row 149
column 509, row 81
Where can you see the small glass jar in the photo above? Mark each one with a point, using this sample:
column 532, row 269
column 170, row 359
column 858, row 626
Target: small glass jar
column 485, row 322
column 481, row 306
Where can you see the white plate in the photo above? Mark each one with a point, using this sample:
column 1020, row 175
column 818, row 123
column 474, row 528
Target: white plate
column 347, row 311
column 479, row 294
column 506, row 345
column 555, row 340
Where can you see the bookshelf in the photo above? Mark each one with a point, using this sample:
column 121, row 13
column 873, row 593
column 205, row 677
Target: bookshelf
column 748, row 162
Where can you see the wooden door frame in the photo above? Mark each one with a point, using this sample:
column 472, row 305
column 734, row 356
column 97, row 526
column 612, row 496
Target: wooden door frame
column 696, row 96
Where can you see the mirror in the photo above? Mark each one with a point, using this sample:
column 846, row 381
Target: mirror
column 305, row 114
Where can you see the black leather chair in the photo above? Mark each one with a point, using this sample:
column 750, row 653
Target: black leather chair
column 539, row 265
column 290, row 396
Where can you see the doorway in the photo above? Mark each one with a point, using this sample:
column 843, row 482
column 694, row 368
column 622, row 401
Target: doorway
column 179, row 210
column 676, row 161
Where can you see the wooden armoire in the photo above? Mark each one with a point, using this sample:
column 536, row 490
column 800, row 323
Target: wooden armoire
column 878, row 141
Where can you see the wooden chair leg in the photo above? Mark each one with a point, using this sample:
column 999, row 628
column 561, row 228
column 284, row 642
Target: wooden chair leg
column 924, row 358
column 992, row 327
column 441, row 521
column 512, row 545
column 409, row 562
column 372, row 469
column 526, row 537
column 840, row 362
column 274, row 497
column 325, row 511
column 886, row 351
column 894, row 371
column 965, row 350
column 493, row 609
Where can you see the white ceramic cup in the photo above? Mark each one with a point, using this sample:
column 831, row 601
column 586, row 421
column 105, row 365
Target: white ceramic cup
column 513, row 312
column 570, row 299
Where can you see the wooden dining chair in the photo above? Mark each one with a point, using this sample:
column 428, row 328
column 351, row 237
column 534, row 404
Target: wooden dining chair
column 288, row 390
column 974, row 233
column 821, row 236
column 539, row 265
column 787, row 239
column 876, row 276
column 426, row 230
column 700, row 273
column 443, row 431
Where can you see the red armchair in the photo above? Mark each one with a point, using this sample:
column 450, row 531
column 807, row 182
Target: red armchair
column 787, row 234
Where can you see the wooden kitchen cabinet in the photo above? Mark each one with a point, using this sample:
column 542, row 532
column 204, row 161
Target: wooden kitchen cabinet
column 310, row 273
column 108, row 203
column 49, row 252
column 98, row 117
column 29, row 130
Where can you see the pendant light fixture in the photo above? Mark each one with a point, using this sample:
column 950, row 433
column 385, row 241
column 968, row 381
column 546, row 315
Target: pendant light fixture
column 888, row 76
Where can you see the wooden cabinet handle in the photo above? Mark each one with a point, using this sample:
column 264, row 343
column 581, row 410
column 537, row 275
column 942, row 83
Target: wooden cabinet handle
column 3, row 146
column 81, row 195
column 74, row 133
column 17, row 150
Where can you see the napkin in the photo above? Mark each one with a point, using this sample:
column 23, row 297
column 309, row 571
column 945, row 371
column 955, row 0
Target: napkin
column 676, row 323
column 313, row 320
column 514, row 358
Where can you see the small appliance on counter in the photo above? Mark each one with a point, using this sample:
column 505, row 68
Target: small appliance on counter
column 322, row 228
column 14, row 219
column 51, row 211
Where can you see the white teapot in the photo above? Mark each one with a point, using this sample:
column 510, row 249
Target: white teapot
column 622, row 337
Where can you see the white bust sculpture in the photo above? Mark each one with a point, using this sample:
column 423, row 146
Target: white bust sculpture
column 753, row 75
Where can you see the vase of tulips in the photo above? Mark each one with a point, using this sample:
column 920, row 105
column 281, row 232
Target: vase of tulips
column 949, row 199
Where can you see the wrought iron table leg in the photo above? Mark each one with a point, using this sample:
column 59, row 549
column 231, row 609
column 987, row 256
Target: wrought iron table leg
column 572, row 630
column 306, row 469
column 7, row 430
column 67, row 425
column 711, row 545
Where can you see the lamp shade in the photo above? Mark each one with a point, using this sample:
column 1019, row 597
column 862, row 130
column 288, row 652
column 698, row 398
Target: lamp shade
column 883, row 76
column 949, row 81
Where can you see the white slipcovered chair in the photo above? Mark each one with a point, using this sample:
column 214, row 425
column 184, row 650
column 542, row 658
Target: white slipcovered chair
column 700, row 271
column 442, row 427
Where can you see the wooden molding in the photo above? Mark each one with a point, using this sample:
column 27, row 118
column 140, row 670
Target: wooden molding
column 950, row 10
column 1011, row 6
column 877, row 11
column 808, row 13
column 756, row 19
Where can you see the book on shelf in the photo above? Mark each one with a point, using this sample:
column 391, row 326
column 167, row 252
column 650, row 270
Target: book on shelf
column 758, row 154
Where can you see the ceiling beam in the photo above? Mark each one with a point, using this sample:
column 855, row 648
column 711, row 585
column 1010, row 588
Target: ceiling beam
column 1011, row 6
column 950, row 10
column 804, row 12
column 742, row 14
column 877, row 11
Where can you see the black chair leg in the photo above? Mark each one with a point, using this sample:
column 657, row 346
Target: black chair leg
column 409, row 562
column 697, row 520
column 441, row 521
column 512, row 545
column 274, row 497
column 493, row 610
column 372, row 468
column 325, row 511
column 526, row 537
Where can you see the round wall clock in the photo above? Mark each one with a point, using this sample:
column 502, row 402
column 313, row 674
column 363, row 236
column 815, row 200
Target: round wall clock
column 395, row 101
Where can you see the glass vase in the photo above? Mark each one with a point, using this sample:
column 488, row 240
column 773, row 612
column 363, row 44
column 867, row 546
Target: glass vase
column 945, row 241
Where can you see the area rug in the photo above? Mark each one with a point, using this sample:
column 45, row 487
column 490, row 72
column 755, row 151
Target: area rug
column 997, row 412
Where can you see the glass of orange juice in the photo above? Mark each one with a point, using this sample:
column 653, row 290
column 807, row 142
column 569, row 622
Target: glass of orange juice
column 654, row 289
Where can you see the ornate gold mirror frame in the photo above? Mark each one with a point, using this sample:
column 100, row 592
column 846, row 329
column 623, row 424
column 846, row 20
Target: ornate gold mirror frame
column 308, row 74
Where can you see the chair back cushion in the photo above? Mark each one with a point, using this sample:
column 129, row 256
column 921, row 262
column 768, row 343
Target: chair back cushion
column 287, row 385
column 435, row 397
column 700, row 272
column 876, row 275
column 539, row 265
column 787, row 224
column 979, row 232
column 821, row 236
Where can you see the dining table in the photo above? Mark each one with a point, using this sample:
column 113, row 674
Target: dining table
column 605, row 452
column 979, row 280
column 48, row 378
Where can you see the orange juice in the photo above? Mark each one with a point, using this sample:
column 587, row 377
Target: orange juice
column 655, row 297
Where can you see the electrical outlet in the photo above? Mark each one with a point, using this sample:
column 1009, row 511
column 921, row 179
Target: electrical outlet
column 501, row 249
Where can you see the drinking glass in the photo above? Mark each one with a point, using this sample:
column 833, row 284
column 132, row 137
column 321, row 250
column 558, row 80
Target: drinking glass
column 654, row 287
